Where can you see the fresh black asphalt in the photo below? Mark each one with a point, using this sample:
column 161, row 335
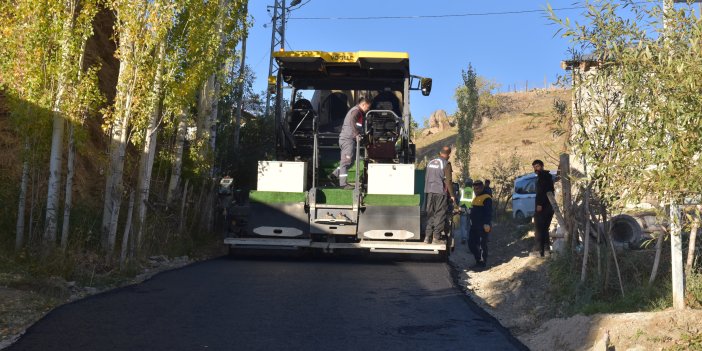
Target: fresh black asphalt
column 278, row 304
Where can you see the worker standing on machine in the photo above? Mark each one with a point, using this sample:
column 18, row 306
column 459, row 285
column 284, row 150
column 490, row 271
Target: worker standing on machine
column 348, row 138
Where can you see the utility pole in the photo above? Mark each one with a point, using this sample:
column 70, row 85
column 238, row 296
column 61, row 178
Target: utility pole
column 277, row 40
column 240, row 97
column 277, row 44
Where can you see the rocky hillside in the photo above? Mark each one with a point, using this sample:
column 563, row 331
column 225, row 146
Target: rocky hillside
column 524, row 128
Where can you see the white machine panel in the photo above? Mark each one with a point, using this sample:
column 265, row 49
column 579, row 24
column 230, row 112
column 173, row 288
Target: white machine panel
column 282, row 176
column 393, row 179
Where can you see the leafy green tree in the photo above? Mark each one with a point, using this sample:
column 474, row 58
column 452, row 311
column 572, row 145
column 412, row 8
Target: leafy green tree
column 43, row 46
column 638, row 97
column 467, row 98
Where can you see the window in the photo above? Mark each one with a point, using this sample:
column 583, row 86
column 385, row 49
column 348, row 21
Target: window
column 525, row 186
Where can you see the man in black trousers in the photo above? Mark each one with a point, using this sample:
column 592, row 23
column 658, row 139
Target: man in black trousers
column 438, row 187
column 544, row 210
column 480, row 225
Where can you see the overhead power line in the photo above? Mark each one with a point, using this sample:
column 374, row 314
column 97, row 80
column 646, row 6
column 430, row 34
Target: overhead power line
column 434, row 16
column 471, row 14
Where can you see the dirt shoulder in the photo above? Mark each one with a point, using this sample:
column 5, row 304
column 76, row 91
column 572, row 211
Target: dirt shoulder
column 515, row 290
column 24, row 299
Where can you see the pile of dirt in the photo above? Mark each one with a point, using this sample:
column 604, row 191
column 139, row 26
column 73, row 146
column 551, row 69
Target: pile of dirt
column 515, row 287
column 515, row 290
column 627, row 331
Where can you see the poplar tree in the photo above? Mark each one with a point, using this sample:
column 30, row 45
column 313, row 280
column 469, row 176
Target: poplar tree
column 467, row 97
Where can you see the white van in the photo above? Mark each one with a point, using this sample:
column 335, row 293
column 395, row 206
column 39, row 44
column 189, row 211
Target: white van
column 524, row 195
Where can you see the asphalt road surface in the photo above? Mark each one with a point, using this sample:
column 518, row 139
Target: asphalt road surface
column 278, row 304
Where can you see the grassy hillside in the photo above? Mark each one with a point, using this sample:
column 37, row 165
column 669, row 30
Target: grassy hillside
column 525, row 129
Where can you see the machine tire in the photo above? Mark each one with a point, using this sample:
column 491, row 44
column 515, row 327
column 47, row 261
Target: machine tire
column 519, row 215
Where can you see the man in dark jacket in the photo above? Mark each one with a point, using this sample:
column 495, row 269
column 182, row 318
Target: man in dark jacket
column 438, row 187
column 544, row 210
column 348, row 138
column 480, row 225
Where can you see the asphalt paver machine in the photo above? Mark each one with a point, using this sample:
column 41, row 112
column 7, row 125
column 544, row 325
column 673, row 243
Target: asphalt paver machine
column 295, row 205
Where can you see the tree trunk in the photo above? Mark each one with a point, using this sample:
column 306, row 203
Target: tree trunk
column 182, row 207
column 214, row 112
column 586, row 236
column 32, row 205
column 70, row 166
column 240, row 97
column 692, row 243
column 567, row 201
column 204, row 109
column 68, row 199
column 52, row 197
column 610, row 238
column 113, row 191
column 178, row 158
column 127, row 230
column 657, row 260
column 55, row 160
column 150, row 138
column 676, row 259
column 19, row 239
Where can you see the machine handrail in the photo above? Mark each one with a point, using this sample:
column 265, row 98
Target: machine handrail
column 307, row 112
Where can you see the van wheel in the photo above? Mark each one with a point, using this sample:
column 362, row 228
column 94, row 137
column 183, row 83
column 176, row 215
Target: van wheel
column 520, row 216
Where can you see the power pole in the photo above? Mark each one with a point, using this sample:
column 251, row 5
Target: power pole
column 277, row 44
column 240, row 97
column 277, row 40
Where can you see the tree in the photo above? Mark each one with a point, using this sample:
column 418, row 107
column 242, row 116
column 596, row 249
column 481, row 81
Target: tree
column 41, row 65
column 467, row 100
column 637, row 125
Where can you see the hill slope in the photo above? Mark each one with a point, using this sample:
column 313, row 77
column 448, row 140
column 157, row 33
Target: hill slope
column 524, row 130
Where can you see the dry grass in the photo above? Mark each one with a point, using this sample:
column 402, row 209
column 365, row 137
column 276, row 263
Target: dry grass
column 526, row 129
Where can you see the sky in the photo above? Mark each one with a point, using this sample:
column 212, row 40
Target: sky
column 507, row 48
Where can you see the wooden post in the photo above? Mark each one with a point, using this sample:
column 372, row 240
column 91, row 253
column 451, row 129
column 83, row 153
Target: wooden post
column 557, row 211
column 586, row 236
column 693, row 237
column 657, row 259
column 676, row 257
column 564, row 166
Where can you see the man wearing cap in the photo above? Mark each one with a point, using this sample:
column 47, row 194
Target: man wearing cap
column 544, row 210
column 438, row 187
column 481, row 225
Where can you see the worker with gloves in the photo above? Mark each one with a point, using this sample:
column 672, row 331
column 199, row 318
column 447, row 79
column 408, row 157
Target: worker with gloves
column 481, row 225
